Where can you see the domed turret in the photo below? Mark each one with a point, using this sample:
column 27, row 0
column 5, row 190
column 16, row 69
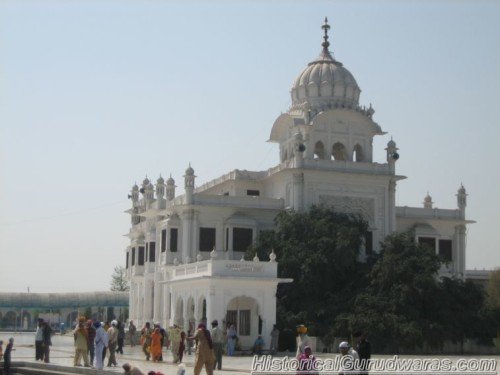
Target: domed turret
column 325, row 83
column 428, row 201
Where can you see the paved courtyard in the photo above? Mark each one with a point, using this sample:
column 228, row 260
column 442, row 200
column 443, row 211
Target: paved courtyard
column 62, row 354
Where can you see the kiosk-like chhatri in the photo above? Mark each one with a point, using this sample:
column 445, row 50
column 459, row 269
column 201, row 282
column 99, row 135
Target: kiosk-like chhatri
column 185, row 259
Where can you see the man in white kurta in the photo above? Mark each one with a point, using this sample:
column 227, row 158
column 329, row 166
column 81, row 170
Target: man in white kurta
column 101, row 342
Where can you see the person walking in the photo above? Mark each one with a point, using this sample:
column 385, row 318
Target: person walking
column 231, row 340
column 175, row 341
column 218, row 343
column 39, row 340
column 81, row 345
column 350, row 358
column 182, row 346
column 156, row 346
column 204, row 350
column 90, row 341
column 275, row 334
column 364, row 350
column 121, row 337
column 47, row 341
column 132, row 329
column 146, row 340
column 101, row 342
column 7, row 356
column 302, row 339
column 112, row 342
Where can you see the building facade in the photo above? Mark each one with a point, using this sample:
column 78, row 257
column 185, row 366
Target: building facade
column 185, row 259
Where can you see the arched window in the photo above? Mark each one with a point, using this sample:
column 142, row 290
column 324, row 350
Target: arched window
column 357, row 153
column 319, row 150
column 338, row 151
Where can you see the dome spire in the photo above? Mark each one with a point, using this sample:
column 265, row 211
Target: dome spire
column 326, row 43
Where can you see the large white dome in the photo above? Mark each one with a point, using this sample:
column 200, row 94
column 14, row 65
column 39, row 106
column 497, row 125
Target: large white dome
column 325, row 83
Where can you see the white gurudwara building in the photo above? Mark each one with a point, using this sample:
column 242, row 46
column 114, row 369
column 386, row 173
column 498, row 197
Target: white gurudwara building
column 185, row 259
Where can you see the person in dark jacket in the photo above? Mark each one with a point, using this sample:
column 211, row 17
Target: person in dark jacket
column 91, row 337
column 7, row 356
column 364, row 350
column 121, row 337
column 47, row 341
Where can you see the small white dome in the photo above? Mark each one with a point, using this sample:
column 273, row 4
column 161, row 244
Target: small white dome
column 325, row 83
column 160, row 181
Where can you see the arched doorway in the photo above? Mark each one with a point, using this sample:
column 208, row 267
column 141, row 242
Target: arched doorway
column 244, row 313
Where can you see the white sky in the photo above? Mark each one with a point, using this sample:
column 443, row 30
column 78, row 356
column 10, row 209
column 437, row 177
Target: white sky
column 97, row 94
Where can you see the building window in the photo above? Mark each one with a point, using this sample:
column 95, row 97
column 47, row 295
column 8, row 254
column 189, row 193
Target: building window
column 445, row 250
column 147, row 248
column 231, row 316
column 226, row 248
column 429, row 241
column 173, row 239
column 140, row 260
column 242, row 238
column 152, row 251
column 369, row 243
column 133, row 256
column 244, row 326
column 163, row 240
column 207, row 239
column 253, row 193
column 126, row 262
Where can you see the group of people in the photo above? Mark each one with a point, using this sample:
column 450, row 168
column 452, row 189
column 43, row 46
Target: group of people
column 354, row 359
column 93, row 340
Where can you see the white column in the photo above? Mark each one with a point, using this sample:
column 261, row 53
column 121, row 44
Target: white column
column 187, row 234
column 460, row 232
column 392, row 208
column 298, row 191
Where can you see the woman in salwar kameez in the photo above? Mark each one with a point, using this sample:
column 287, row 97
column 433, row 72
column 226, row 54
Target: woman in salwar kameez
column 155, row 348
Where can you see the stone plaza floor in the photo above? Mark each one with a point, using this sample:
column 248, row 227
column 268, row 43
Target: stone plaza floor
column 62, row 352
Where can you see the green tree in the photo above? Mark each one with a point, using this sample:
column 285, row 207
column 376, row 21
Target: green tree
column 406, row 305
column 395, row 306
column 318, row 249
column 493, row 290
column 119, row 281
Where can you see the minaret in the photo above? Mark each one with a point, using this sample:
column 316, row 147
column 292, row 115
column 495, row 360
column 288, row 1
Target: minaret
column 160, row 188
column 134, row 196
column 147, row 191
column 189, row 184
column 170, row 188
column 462, row 200
column 428, row 201
column 392, row 154
column 461, row 230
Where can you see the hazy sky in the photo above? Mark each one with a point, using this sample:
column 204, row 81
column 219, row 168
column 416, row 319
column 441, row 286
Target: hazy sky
column 97, row 94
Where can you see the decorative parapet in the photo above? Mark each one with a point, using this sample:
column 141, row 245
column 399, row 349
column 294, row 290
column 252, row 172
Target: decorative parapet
column 224, row 268
column 426, row 213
